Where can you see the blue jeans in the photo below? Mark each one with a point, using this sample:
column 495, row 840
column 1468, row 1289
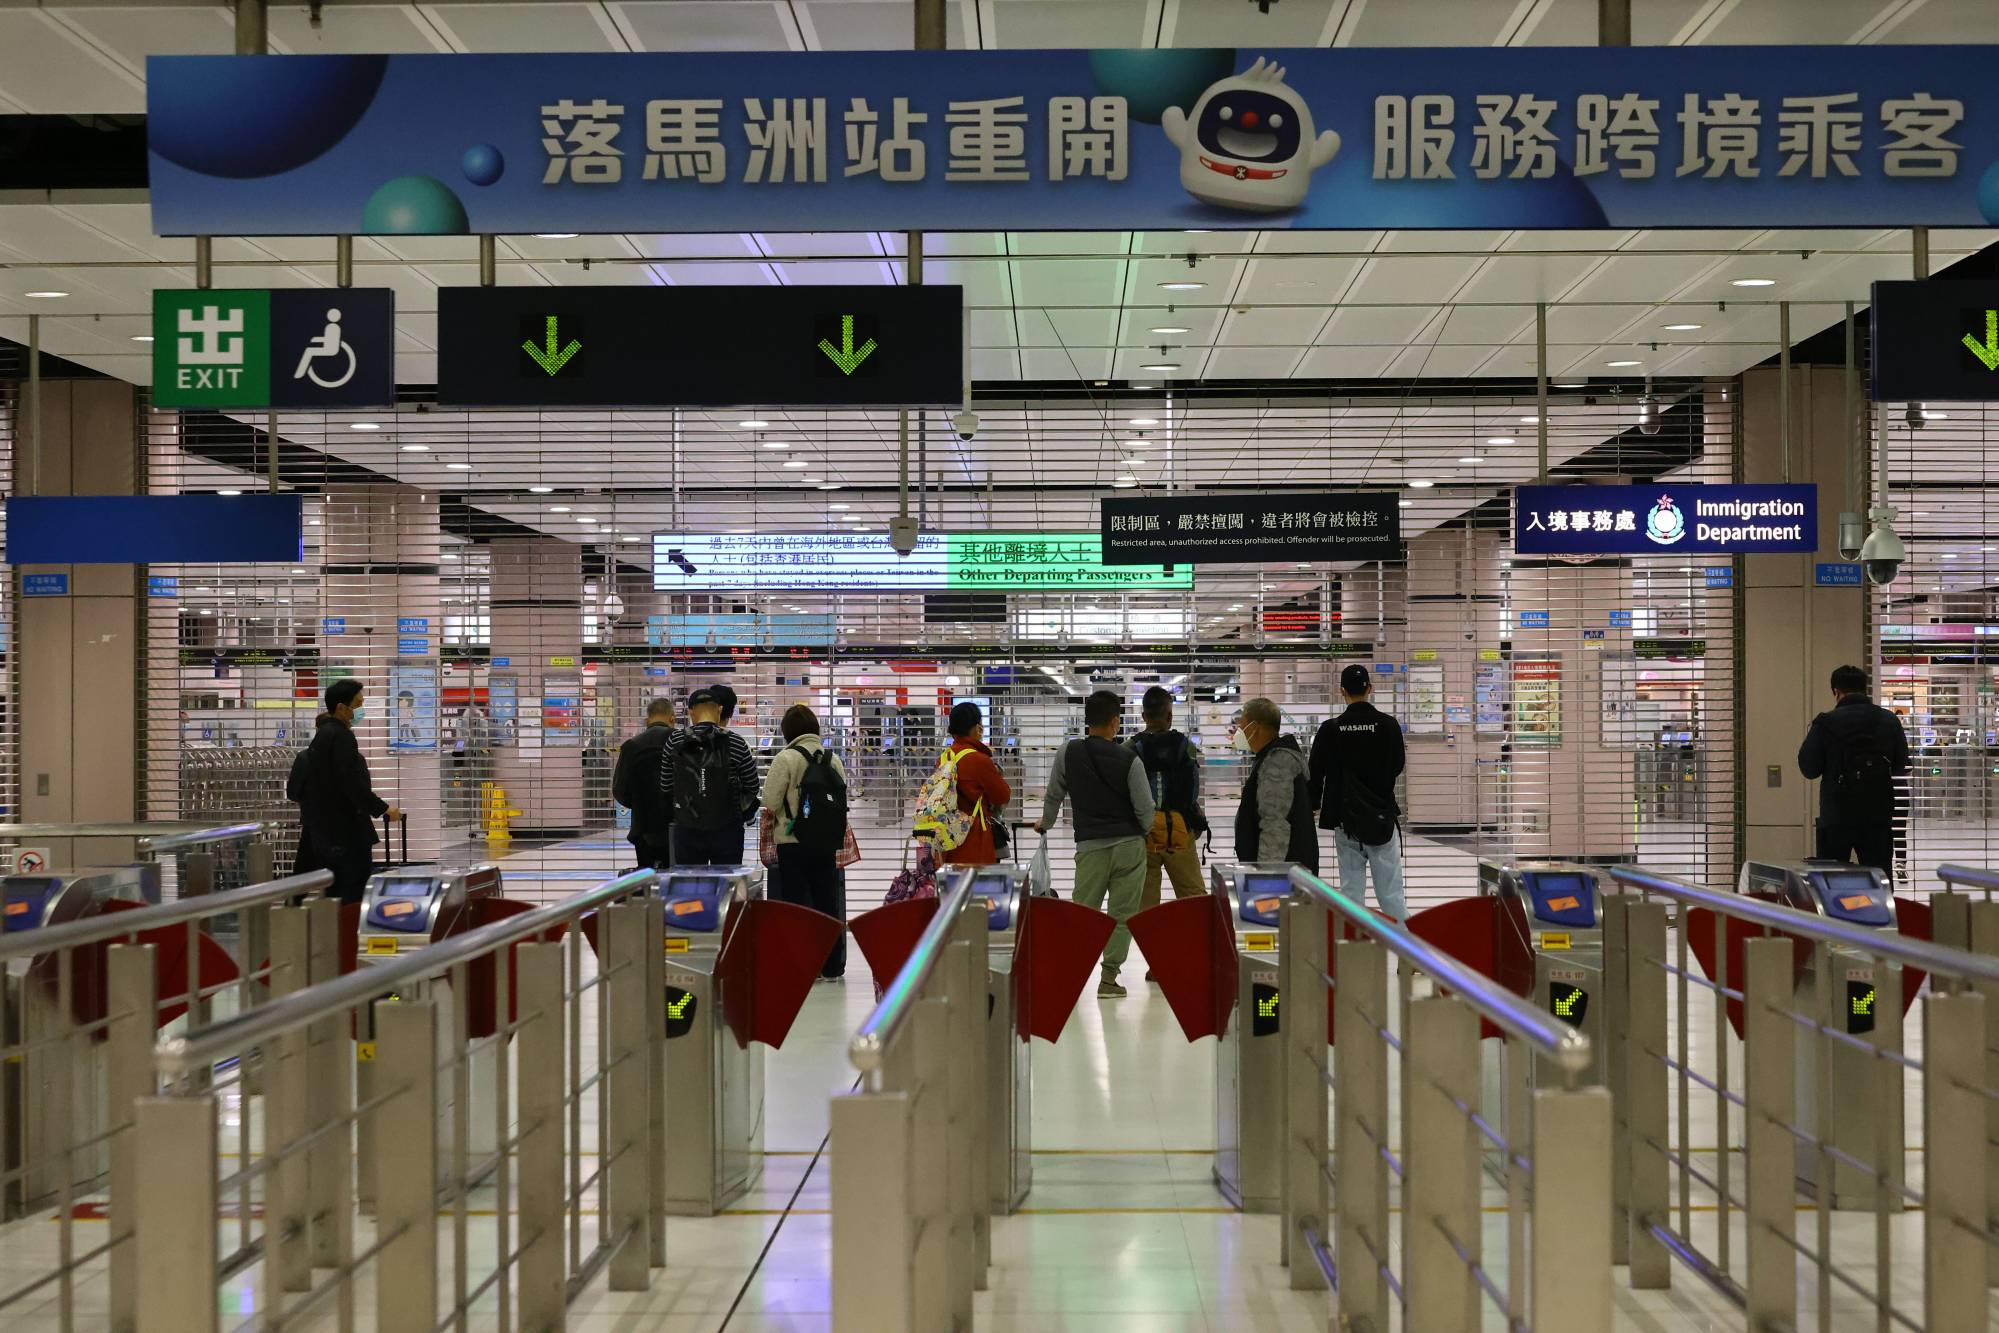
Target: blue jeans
column 1384, row 862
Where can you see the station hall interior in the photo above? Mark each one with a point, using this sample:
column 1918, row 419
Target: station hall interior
column 1581, row 384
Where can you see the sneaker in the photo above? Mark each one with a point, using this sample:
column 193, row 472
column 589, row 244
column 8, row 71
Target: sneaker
column 1108, row 989
column 1148, row 974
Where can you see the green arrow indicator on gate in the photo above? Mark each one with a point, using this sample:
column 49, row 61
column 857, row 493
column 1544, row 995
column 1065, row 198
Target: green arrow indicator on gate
column 548, row 358
column 846, row 356
column 678, row 1008
column 1987, row 351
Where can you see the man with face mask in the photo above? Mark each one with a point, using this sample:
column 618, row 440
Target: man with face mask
column 1273, row 823
column 337, row 801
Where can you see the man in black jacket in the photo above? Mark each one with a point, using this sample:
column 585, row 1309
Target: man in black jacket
column 338, row 805
column 635, row 785
column 1356, row 758
column 1273, row 821
column 1858, row 749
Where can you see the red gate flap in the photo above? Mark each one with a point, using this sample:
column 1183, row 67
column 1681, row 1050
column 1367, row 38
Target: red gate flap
column 1468, row 929
column 1914, row 919
column 1700, row 939
column 90, row 975
column 1190, row 945
column 771, row 954
column 1057, row 950
column 887, row 934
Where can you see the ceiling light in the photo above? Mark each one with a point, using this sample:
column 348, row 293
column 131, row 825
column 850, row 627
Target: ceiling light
column 1469, row 458
column 1125, row 483
column 1143, row 421
column 298, row 569
column 796, row 462
column 839, row 506
column 1138, row 462
column 45, row 296
column 208, row 610
column 416, row 448
column 364, row 425
column 229, row 492
column 459, row 467
column 1529, row 421
column 753, row 424
column 142, row 337
column 1681, row 328
column 1406, row 504
column 555, row 235
column 1171, row 328
column 558, row 509
column 628, row 539
column 540, row 490
column 315, row 523
column 1422, row 484
column 1179, row 285
column 1620, row 365
column 777, row 444
column 1140, row 442
column 1199, row 231
column 1162, row 366
column 1948, row 555
column 1754, row 282
column 1502, row 439
column 585, row 518
column 448, row 555
column 1935, row 416
column 830, row 485
column 1236, row 607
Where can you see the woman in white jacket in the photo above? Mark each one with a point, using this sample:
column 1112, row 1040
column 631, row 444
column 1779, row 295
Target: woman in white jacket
column 807, row 875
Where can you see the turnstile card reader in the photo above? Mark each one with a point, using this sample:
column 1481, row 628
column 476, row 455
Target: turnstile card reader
column 49, row 897
column 714, row 1083
column 1845, row 1001
column 1551, row 941
column 1248, row 1062
column 403, row 908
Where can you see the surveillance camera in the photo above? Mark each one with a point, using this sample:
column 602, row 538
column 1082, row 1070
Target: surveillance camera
column 1648, row 415
column 1882, row 553
column 902, row 534
column 1852, row 535
column 966, row 423
column 1912, row 416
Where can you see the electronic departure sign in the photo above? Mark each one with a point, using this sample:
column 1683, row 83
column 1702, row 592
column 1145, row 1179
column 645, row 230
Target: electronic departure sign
column 1935, row 341
column 701, row 346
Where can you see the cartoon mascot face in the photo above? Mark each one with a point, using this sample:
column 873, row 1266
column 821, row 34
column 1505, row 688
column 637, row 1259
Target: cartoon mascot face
column 1249, row 143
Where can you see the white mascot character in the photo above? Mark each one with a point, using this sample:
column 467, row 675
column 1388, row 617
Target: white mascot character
column 1248, row 142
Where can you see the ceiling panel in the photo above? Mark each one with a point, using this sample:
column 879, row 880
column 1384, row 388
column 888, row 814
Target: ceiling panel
column 873, row 25
column 527, row 28
column 1421, row 22
column 1290, row 24
column 1281, row 326
column 705, row 25
column 1067, row 24
column 47, row 69
column 1412, row 279
column 1947, row 22
column 130, row 35
column 1653, row 22
column 351, row 30
column 1823, row 21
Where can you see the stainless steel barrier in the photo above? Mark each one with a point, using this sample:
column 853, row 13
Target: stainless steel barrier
column 1781, row 1126
column 535, row 972
column 204, row 856
column 911, row 1154
column 72, row 1073
column 1554, row 1148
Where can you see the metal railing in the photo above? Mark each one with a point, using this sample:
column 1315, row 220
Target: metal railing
column 1970, row 877
column 1791, row 1076
column 202, row 856
column 912, row 1234
column 1552, row 1144
column 82, row 1002
column 518, row 1162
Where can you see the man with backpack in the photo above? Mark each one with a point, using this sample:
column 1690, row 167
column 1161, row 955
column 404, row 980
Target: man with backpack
column 982, row 790
column 1356, row 758
column 635, row 785
column 1173, row 771
column 1111, row 804
column 1857, row 749
column 806, row 793
column 708, row 779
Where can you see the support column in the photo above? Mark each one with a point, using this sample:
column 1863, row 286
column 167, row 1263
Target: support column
column 1794, row 633
column 537, row 606
column 1455, row 596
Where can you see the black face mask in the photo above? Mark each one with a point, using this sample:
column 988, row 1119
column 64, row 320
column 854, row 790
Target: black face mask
column 1249, row 126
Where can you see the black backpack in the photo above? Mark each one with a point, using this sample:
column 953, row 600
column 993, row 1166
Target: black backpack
column 1866, row 782
column 1175, row 781
column 704, row 785
column 1363, row 815
column 821, row 823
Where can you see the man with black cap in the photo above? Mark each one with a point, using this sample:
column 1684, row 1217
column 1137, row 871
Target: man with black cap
column 708, row 778
column 1356, row 758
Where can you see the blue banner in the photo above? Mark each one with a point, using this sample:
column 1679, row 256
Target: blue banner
column 154, row 529
column 162, row 585
column 1664, row 517
column 1837, row 575
column 1255, row 138
column 45, row 585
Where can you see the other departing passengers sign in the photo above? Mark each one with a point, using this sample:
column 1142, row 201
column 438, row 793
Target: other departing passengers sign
column 1252, row 529
column 1664, row 517
column 958, row 561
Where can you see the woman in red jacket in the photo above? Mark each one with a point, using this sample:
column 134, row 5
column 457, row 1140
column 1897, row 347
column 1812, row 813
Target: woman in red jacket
column 982, row 789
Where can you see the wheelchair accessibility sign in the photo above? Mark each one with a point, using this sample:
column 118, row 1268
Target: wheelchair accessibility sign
column 303, row 349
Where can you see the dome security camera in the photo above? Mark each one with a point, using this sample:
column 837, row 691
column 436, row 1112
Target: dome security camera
column 965, row 423
column 1882, row 553
column 1648, row 414
column 1852, row 535
column 902, row 534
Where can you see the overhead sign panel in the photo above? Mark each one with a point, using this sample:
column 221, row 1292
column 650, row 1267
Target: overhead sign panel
column 832, row 562
column 1664, row 518
column 301, row 349
column 1936, row 341
column 1252, row 529
column 1111, row 140
column 154, row 529
column 700, row 346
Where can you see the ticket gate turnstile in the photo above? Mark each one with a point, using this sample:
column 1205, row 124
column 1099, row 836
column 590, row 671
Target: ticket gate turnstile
column 1009, row 1066
column 403, row 907
column 1551, row 943
column 1248, row 1064
column 46, row 1099
column 714, row 1083
column 1845, row 1001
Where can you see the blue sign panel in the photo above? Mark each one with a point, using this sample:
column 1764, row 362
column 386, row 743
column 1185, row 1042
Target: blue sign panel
column 154, row 529
column 1594, row 633
column 1720, row 576
column 331, row 625
column 1620, row 620
column 1533, row 620
column 413, row 647
column 1697, row 136
column 501, row 662
column 1662, row 518
column 162, row 585
column 413, row 625
column 45, row 585
column 1839, row 575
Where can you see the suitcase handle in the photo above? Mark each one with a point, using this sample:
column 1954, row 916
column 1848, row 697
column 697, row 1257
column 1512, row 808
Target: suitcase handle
column 387, row 823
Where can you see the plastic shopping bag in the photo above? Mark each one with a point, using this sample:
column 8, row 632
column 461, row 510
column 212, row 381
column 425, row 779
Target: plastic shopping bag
column 1040, row 880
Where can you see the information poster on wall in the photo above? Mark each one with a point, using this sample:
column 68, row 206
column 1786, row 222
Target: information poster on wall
column 1489, row 698
column 562, row 712
column 1425, row 701
column 412, row 708
column 1537, row 701
column 503, row 699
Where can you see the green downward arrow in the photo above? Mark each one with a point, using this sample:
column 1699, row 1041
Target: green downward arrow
column 1987, row 351
column 846, row 356
column 547, row 357
column 677, row 1009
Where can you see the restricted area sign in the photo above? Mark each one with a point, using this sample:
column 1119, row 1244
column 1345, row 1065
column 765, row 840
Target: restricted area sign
column 1936, row 341
column 700, row 346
